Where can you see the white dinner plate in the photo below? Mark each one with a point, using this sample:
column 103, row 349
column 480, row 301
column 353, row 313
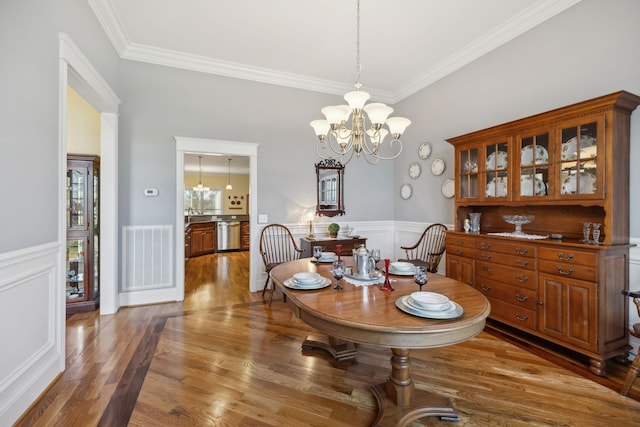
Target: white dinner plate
column 526, row 156
column 455, row 311
column 431, row 301
column 527, row 184
column 587, row 184
column 570, row 147
column 307, row 277
column 497, row 187
column 496, row 161
column 395, row 272
column 292, row 284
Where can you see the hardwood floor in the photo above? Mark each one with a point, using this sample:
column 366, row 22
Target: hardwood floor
column 224, row 358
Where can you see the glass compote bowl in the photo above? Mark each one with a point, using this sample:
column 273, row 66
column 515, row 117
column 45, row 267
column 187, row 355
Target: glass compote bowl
column 518, row 221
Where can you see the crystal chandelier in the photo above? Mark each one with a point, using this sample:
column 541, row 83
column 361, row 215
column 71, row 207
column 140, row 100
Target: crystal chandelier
column 229, row 187
column 200, row 188
column 344, row 131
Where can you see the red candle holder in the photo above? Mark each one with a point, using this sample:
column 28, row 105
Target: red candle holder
column 338, row 251
column 387, row 284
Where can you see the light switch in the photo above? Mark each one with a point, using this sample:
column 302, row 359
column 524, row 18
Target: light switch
column 263, row 219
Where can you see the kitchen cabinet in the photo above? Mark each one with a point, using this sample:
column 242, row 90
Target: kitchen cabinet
column 83, row 233
column 557, row 167
column 245, row 235
column 201, row 237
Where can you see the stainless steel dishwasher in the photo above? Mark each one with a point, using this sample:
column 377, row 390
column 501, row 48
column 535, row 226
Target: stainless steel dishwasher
column 228, row 233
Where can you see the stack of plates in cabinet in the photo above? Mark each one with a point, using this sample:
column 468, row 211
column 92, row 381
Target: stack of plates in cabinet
column 429, row 305
column 307, row 280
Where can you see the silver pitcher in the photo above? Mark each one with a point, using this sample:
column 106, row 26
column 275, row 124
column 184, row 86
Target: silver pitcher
column 363, row 263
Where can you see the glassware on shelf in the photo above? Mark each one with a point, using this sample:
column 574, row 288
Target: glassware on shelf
column 596, row 234
column 387, row 284
column 474, row 218
column 518, row 221
column 586, row 232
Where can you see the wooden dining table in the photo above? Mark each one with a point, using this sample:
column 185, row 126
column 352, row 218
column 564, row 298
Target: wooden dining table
column 368, row 315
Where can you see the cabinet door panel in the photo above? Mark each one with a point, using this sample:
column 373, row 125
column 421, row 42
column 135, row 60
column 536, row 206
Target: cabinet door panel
column 461, row 269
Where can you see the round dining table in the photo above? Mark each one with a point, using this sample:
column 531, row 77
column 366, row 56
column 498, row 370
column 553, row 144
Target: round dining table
column 366, row 314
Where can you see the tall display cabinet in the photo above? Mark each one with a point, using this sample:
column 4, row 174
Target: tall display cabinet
column 556, row 283
column 83, row 233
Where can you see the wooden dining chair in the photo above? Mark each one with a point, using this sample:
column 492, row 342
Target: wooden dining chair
column 277, row 245
column 634, row 369
column 429, row 248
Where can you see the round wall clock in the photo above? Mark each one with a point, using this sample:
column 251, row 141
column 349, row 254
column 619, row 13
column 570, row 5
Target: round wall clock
column 437, row 167
column 448, row 188
column 406, row 191
column 414, row 170
column 424, row 151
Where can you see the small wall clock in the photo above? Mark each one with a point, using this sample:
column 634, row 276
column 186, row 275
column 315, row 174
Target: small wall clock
column 437, row 167
column 414, row 170
column 406, row 191
column 424, row 151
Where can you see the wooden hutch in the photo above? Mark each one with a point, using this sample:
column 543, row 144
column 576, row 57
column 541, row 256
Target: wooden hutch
column 550, row 286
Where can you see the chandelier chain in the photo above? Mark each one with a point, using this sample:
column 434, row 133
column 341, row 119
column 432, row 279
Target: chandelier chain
column 358, row 66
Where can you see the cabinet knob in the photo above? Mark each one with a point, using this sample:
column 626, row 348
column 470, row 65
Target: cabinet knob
column 484, row 268
column 522, row 279
column 485, row 287
column 522, row 298
column 522, row 251
column 485, row 256
column 522, row 263
column 521, row 317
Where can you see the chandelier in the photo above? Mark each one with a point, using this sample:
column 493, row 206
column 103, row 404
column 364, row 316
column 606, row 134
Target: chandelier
column 344, row 130
column 200, row 188
column 229, row 187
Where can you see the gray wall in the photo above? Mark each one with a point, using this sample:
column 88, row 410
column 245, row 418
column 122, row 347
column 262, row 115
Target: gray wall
column 29, row 110
column 589, row 50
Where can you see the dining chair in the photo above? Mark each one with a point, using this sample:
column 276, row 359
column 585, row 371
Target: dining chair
column 429, row 248
column 634, row 369
column 277, row 245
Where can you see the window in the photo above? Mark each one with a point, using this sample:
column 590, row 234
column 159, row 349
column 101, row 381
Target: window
column 207, row 202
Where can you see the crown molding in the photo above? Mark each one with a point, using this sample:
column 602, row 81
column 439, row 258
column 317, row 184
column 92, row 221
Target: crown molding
column 519, row 24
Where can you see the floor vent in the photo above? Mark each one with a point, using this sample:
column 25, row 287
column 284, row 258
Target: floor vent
column 147, row 257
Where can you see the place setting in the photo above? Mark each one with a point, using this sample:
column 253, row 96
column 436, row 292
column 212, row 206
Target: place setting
column 401, row 268
column 323, row 257
column 429, row 305
column 307, row 281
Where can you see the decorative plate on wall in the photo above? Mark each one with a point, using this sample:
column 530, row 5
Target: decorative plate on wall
column 414, row 170
column 448, row 188
column 424, row 151
column 437, row 167
column 406, row 191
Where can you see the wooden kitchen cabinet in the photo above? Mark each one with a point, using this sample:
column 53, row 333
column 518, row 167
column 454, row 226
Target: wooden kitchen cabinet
column 245, row 235
column 201, row 237
column 565, row 167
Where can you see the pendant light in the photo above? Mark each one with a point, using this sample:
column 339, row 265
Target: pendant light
column 229, row 187
column 200, row 188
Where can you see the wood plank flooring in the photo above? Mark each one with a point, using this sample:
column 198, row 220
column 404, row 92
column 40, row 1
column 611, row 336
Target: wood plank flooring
column 224, row 358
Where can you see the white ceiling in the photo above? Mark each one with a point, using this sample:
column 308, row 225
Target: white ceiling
column 405, row 45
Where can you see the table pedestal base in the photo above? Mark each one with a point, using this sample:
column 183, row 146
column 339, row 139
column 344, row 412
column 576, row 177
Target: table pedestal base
column 425, row 404
column 399, row 403
column 340, row 350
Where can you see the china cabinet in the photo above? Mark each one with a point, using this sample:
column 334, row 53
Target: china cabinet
column 83, row 233
column 557, row 167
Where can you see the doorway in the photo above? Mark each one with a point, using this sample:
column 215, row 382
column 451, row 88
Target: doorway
column 202, row 146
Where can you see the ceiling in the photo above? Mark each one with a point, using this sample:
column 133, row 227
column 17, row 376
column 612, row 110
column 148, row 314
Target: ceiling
column 405, row 45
